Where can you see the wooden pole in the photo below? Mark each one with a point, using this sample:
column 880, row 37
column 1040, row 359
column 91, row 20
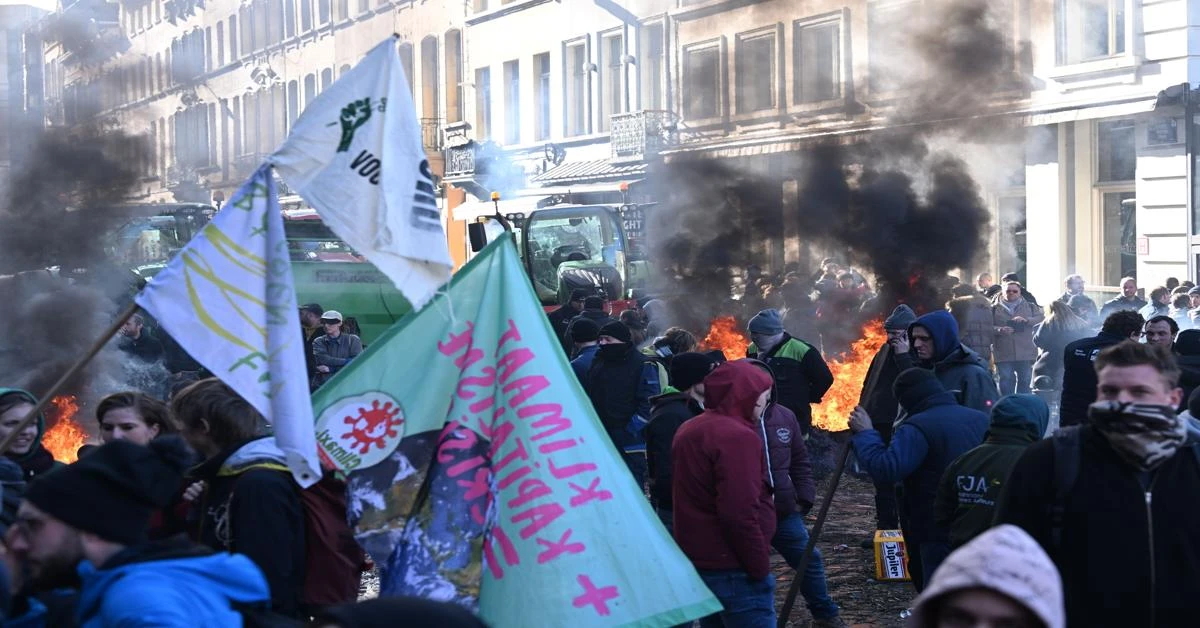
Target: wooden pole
column 794, row 589
column 49, row 395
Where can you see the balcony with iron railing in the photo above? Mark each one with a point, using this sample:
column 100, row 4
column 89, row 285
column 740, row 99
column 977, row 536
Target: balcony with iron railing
column 641, row 135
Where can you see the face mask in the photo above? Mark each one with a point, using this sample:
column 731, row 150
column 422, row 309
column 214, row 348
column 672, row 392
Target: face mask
column 1144, row 435
column 616, row 350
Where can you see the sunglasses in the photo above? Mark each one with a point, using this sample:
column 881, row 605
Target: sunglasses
column 330, row 321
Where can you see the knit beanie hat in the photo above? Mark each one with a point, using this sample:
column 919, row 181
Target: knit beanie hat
column 689, row 369
column 585, row 330
column 769, row 322
column 593, row 303
column 618, row 330
column 901, row 318
column 113, row 492
column 915, row 385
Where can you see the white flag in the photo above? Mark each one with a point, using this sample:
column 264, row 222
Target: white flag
column 228, row 298
column 355, row 155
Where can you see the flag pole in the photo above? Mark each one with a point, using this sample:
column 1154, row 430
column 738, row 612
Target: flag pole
column 49, row 395
column 812, row 539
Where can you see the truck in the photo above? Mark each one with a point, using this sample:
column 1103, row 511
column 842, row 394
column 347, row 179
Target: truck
column 566, row 246
column 325, row 269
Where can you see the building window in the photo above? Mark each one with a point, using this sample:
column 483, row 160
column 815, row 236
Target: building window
column 1089, row 29
column 306, row 23
column 1115, row 152
column 429, row 77
column 653, row 67
column 1120, row 235
column 220, row 44
column 886, row 38
column 512, row 102
column 343, row 9
column 248, row 27
column 576, row 70
column 612, row 97
column 406, row 63
column 326, row 78
column 323, row 11
column 233, row 38
column 479, row 6
column 191, row 138
column 756, row 69
column 289, row 18
column 818, row 63
column 310, row 89
column 293, row 104
column 541, row 96
column 483, row 103
column 453, row 76
column 702, row 82
column 364, row 6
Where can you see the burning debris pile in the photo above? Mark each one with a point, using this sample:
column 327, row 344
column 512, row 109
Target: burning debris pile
column 849, row 372
column 726, row 335
column 66, row 435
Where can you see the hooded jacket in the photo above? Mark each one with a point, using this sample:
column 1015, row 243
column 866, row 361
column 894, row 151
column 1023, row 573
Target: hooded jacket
column 1005, row 560
column 1128, row 553
column 38, row 459
column 936, row 432
column 801, row 375
column 724, row 515
column 790, row 467
column 966, row 499
column 960, row 369
column 975, row 323
column 668, row 412
column 252, row 506
column 169, row 584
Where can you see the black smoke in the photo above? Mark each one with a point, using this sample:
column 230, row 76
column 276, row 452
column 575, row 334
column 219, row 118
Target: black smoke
column 890, row 202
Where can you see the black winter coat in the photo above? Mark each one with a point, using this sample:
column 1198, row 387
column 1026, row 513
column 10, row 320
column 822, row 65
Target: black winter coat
column 1129, row 556
column 668, row 412
column 790, row 466
column 1079, row 376
column 1051, row 342
column 257, row 512
column 559, row 319
column 877, row 397
column 620, row 387
column 801, row 375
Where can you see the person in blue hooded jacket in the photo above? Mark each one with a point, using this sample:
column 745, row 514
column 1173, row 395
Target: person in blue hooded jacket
column 935, row 432
column 967, row 496
column 101, row 506
column 935, row 341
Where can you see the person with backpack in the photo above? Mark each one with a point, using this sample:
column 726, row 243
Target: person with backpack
column 620, row 384
column 1113, row 502
column 101, row 507
column 967, row 494
column 668, row 412
column 935, row 431
column 251, row 505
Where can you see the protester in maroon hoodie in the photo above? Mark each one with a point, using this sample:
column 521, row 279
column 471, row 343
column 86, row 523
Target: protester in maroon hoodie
column 724, row 516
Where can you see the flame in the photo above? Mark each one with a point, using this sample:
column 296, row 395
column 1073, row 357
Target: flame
column 66, row 437
column 849, row 372
column 725, row 334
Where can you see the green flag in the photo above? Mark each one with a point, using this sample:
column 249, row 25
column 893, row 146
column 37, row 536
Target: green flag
column 478, row 471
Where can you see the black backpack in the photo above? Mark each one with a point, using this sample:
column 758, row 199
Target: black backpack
column 1068, row 444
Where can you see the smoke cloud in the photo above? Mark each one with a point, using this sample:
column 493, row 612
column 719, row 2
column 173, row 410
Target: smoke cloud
column 895, row 204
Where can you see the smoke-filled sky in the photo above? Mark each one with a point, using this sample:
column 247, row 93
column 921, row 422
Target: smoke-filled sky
column 888, row 204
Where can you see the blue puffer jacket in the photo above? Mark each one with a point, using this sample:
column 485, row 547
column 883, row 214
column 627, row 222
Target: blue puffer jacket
column 937, row 432
column 169, row 584
column 960, row 369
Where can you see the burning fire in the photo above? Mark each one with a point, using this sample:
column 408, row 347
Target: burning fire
column 66, row 437
column 849, row 372
column 725, row 334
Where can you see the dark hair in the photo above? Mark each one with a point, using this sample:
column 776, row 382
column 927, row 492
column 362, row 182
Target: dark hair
column 1182, row 301
column 230, row 418
column 1159, row 293
column 1172, row 282
column 1009, row 277
column 1063, row 318
column 1129, row 353
column 152, row 411
column 1124, row 323
column 1165, row 319
column 10, row 400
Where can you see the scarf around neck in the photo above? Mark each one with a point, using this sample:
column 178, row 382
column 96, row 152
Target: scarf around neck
column 1144, row 435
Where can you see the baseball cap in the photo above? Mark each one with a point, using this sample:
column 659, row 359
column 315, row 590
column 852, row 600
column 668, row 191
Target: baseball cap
column 332, row 315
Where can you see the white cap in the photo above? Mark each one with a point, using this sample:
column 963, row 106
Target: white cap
column 333, row 315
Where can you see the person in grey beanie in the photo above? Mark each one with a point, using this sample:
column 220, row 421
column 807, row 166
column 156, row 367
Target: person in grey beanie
column 801, row 374
column 880, row 402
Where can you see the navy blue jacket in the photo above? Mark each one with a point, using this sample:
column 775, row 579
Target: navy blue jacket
column 960, row 369
column 583, row 362
column 1079, row 376
column 937, row 432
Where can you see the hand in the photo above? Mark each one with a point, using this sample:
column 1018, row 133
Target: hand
column 900, row 344
column 353, row 116
column 860, row 421
column 1019, row 319
column 322, row 369
column 193, row 492
column 1006, row 330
